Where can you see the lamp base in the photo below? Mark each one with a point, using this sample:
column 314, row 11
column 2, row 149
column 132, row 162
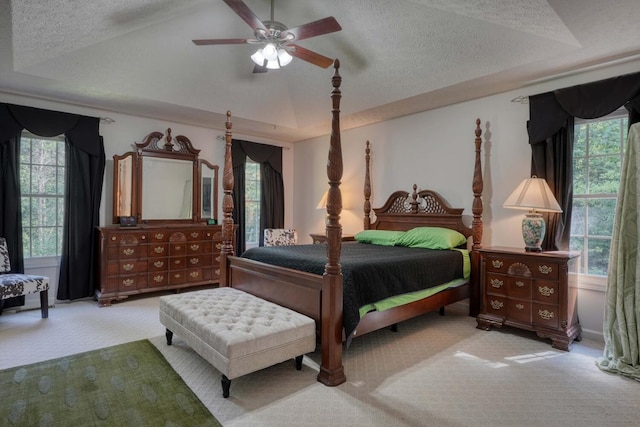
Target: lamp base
column 533, row 230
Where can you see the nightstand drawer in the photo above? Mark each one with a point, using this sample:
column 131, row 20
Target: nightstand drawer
column 546, row 315
column 519, row 311
column 496, row 305
column 546, row 292
column 519, row 287
column 497, row 284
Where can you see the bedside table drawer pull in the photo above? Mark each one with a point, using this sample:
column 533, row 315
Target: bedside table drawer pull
column 545, row 291
column 546, row 314
column 158, row 249
column 128, row 267
column 545, row 269
column 519, row 284
column 128, row 251
column 159, row 236
column 158, row 279
column 497, row 283
column 158, row 264
column 496, row 305
column 497, row 263
column 519, row 306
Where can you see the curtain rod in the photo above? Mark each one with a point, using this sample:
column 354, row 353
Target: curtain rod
column 221, row 138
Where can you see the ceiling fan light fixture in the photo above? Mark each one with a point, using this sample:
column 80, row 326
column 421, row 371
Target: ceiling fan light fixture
column 270, row 52
column 273, row 65
column 258, row 57
column 284, row 57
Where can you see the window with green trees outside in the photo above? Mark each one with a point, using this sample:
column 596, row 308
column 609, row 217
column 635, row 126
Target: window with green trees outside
column 597, row 160
column 42, row 186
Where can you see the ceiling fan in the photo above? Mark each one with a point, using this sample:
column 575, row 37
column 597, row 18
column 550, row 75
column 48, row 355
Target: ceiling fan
column 277, row 39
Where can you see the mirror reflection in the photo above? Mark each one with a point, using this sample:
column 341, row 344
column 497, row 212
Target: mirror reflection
column 167, row 188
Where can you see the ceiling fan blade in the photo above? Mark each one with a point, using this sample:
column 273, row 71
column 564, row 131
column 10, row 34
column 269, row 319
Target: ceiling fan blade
column 243, row 11
column 259, row 69
column 315, row 28
column 310, row 56
column 205, row 42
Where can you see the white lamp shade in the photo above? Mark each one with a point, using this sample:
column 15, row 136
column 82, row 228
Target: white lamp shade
column 273, row 65
column 533, row 194
column 322, row 204
column 283, row 57
column 258, row 57
column 270, row 52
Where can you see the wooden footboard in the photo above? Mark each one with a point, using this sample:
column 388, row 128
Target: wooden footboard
column 297, row 290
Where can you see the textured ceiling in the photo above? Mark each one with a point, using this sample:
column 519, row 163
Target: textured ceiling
column 397, row 56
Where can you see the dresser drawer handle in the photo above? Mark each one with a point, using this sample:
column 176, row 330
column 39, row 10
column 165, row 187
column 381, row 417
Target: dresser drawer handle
column 519, row 306
column 195, row 247
column 546, row 314
column 177, row 275
column 195, row 234
column 496, row 283
column 194, row 274
column 128, row 251
column 545, row 269
column 177, row 262
column 496, row 305
column 218, row 246
column 194, row 261
column 545, row 291
column 178, row 248
column 158, row 279
column 497, row 263
column 208, row 234
column 159, row 236
column 158, row 249
column 127, row 282
column 113, row 237
column 218, row 259
column 217, row 271
column 143, row 237
column 128, row 267
column 519, row 283
column 158, row 264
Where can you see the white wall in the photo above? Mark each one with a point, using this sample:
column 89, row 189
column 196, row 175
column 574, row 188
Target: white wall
column 120, row 137
column 435, row 150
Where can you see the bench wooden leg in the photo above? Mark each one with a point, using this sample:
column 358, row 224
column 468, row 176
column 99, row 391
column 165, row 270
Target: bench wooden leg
column 299, row 362
column 226, row 384
column 44, row 303
column 169, row 336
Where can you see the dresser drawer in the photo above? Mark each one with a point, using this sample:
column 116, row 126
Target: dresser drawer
column 546, row 315
column 496, row 305
column 546, row 292
column 519, row 311
column 519, row 287
column 496, row 284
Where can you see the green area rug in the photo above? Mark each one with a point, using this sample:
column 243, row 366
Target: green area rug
column 124, row 385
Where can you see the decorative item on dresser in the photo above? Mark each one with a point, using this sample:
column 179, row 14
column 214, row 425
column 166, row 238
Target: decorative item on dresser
column 530, row 290
column 164, row 196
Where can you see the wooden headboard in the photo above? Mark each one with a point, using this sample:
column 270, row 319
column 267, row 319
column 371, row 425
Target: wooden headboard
column 403, row 211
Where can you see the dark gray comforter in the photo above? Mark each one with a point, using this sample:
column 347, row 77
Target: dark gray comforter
column 370, row 272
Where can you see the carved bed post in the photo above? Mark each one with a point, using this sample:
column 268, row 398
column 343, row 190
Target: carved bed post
column 331, row 370
column 227, row 207
column 476, row 226
column 367, row 188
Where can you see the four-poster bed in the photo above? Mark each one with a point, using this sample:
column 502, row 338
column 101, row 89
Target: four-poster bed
column 320, row 296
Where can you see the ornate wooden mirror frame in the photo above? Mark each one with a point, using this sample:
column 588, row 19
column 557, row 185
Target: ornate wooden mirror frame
column 163, row 181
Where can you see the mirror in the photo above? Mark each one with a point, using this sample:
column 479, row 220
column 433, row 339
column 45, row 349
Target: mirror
column 167, row 189
column 164, row 181
column 208, row 194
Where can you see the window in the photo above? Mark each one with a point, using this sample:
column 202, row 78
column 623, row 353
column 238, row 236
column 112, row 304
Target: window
column 252, row 203
column 42, row 184
column 597, row 160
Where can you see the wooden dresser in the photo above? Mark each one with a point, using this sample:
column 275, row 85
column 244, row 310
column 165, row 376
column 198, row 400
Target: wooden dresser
column 531, row 291
column 136, row 260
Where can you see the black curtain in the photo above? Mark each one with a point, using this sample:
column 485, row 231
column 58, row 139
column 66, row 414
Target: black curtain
column 550, row 127
column 85, row 171
column 272, row 188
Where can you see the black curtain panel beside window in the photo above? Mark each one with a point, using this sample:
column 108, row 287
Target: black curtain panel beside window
column 550, row 128
column 85, row 164
column 272, row 188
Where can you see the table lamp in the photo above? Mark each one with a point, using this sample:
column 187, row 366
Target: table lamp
column 533, row 194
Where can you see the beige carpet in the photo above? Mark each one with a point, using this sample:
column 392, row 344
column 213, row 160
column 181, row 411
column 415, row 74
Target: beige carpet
column 436, row 371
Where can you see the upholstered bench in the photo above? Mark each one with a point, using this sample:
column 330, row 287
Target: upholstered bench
column 238, row 333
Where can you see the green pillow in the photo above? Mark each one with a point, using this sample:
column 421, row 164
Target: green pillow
column 431, row 238
column 379, row 237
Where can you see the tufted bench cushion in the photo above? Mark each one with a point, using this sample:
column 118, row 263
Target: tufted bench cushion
column 235, row 331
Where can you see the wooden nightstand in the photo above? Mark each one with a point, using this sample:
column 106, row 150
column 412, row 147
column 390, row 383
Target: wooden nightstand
column 322, row 238
column 530, row 291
